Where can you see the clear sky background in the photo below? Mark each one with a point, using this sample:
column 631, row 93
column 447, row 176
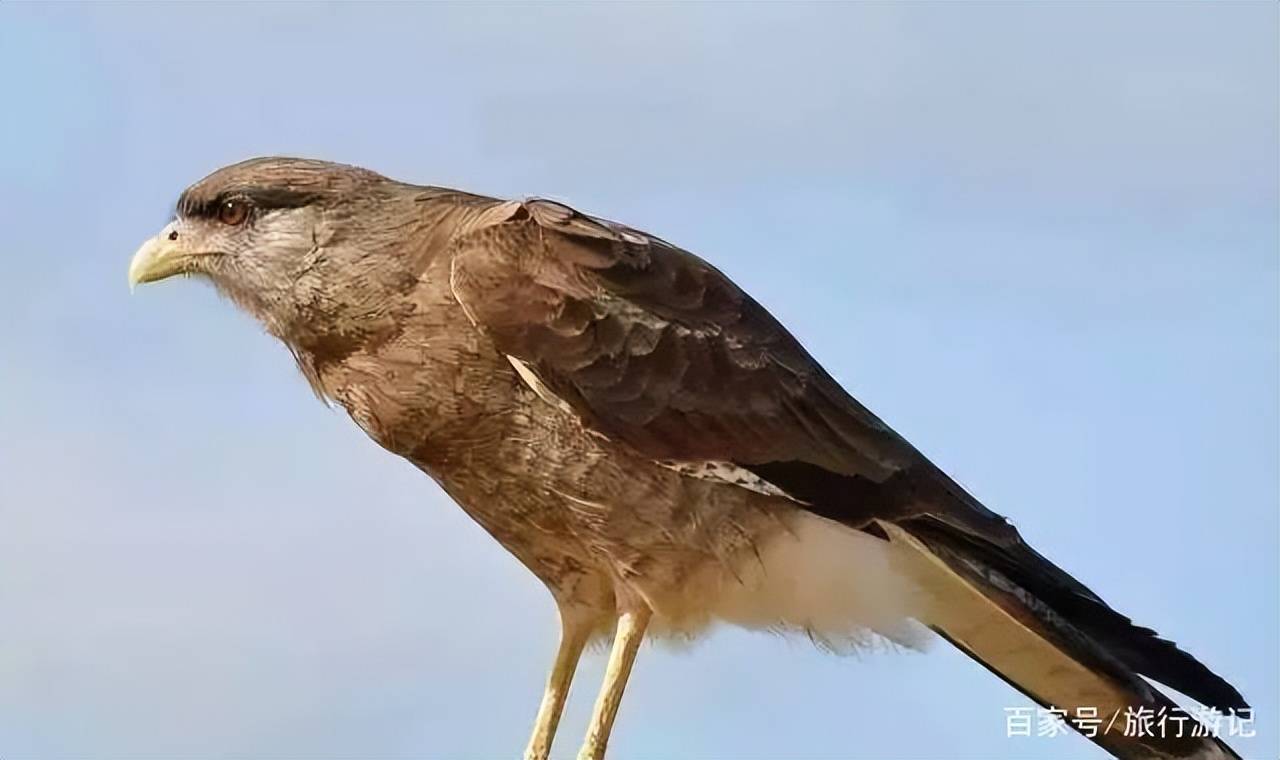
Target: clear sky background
column 1040, row 240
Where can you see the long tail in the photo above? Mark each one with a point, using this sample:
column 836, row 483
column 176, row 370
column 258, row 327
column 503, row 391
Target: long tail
column 1060, row 645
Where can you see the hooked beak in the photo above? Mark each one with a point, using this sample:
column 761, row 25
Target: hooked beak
column 162, row 256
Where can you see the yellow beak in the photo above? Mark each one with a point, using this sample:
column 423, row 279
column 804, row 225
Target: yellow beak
column 162, row 256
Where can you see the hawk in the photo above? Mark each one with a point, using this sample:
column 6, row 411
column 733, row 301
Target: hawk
column 649, row 441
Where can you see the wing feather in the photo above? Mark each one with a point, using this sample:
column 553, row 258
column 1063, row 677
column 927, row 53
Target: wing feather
column 664, row 350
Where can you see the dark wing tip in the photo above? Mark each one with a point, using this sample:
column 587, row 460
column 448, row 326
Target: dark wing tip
column 1163, row 661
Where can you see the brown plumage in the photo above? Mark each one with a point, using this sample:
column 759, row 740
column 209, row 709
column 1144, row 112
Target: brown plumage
column 645, row 438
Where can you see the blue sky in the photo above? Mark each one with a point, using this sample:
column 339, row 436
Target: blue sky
column 1040, row 240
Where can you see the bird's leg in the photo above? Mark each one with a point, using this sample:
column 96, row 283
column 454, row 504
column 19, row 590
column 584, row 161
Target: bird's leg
column 626, row 642
column 574, row 631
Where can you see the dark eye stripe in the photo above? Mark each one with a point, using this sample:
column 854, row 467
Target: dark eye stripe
column 192, row 205
column 273, row 198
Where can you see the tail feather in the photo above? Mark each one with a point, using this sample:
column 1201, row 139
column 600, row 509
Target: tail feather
column 1138, row 649
column 1057, row 657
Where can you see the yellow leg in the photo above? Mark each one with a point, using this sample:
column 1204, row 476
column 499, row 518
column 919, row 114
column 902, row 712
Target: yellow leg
column 574, row 632
column 626, row 642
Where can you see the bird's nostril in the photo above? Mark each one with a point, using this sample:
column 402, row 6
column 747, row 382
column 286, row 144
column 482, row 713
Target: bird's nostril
column 173, row 235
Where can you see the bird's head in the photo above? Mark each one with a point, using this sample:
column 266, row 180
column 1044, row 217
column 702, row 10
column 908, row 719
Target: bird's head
column 273, row 233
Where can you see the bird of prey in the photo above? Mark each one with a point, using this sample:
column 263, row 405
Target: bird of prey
column 650, row 442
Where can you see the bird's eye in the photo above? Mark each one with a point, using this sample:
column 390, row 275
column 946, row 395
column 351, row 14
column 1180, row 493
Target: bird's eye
column 233, row 212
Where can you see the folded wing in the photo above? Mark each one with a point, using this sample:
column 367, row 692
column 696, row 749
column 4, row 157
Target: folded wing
column 655, row 348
